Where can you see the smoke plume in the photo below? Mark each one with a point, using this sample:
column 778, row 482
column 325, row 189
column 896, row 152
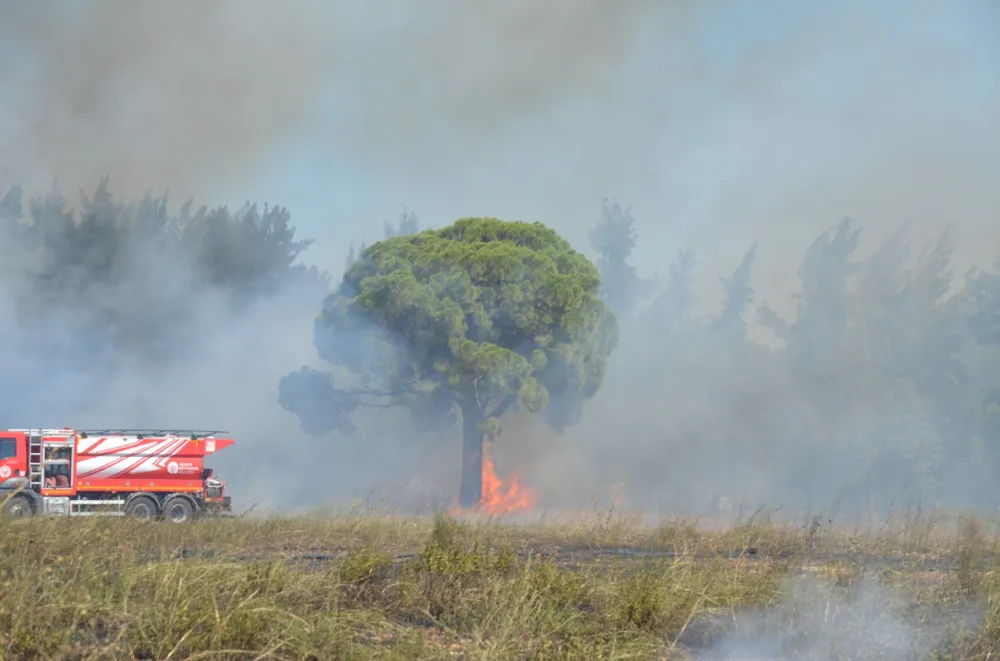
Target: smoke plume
column 818, row 622
column 723, row 126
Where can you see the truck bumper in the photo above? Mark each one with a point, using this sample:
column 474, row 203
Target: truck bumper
column 214, row 505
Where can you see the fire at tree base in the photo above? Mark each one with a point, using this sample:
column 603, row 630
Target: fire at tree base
column 498, row 498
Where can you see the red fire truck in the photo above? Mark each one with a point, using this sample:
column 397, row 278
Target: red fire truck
column 145, row 473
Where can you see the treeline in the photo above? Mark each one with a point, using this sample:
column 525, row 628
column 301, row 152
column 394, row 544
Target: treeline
column 129, row 275
column 883, row 390
column 94, row 286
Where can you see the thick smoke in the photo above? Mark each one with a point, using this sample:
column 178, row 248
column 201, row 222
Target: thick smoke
column 118, row 316
column 197, row 98
column 880, row 399
column 724, row 126
column 200, row 101
column 181, row 96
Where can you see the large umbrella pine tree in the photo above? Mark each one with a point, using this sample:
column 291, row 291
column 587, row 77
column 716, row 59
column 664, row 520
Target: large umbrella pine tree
column 466, row 321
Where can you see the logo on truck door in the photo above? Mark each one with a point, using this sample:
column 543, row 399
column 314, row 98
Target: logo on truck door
column 4, row 472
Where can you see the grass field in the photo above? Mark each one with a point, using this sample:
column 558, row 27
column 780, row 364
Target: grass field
column 368, row 586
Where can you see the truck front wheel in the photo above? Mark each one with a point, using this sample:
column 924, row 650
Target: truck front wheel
column 17, row 507
column 178, row 510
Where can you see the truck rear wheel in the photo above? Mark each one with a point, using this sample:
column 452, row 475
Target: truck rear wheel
column 17, row 507
column 178, row 510
column 141, row 507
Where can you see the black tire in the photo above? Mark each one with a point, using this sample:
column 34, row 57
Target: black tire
column 178, row 510
column 142, row 507
column 17, row 507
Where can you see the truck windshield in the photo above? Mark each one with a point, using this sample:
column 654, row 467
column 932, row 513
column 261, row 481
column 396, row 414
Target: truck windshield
column 8, row 448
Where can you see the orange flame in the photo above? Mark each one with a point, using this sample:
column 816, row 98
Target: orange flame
column 497, row 497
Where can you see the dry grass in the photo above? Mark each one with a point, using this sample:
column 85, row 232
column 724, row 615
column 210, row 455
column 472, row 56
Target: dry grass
column 357, row 586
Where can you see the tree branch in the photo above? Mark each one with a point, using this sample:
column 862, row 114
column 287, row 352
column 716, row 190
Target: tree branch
column 475, row 385
column 405, row 389
column 374, row 405
column 376, row 393
column 504, row 404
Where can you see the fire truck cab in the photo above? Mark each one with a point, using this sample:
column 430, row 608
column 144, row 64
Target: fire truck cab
column 142, row 473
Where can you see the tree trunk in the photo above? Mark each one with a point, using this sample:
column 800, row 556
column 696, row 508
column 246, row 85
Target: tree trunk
column 470, row 491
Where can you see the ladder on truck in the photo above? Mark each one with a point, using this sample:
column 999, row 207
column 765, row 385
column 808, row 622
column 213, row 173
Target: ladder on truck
column 36, row 459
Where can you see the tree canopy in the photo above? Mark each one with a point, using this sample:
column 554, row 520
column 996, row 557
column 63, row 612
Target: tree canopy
column 614, row 238
column 472, row 320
